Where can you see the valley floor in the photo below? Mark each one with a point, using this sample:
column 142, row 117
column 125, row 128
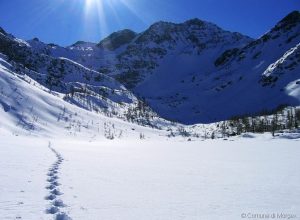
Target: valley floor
column 148, row 180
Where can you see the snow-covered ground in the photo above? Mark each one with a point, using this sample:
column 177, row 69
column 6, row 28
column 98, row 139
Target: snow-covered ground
column 23, row 169
column 162, row 179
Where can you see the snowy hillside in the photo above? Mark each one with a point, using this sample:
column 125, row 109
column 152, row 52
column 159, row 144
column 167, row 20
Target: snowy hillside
column 81, row 86
column 227, row 86
column 285, row 71
column 28, row 108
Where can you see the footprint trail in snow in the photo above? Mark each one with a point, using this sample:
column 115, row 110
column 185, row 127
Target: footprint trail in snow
column 56, row 204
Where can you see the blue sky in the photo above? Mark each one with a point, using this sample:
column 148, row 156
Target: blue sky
column 66, row 21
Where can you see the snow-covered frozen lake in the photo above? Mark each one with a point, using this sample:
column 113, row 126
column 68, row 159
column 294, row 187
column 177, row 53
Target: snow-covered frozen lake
column 148, row 180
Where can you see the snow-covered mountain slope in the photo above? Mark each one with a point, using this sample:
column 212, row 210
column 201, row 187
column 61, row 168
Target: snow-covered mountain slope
column 209, row 90
column 285, row 71
column 81, row 86
column 95, row 56
column 88, row 54
column 29, row 108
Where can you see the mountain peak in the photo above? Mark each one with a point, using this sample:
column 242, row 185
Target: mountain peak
column 288, row 22
column 81, row 43
column 294, row 16
column 161, row 23
column 117, row 39
column 162, row 26
column 195, row 21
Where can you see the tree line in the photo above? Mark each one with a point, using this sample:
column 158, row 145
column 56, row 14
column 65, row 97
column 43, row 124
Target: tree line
column 280, row 119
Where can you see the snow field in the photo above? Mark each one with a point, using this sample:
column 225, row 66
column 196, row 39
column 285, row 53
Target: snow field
column 148, row 179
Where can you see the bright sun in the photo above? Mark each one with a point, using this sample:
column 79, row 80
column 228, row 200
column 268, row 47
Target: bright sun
column 101, row 2
column 90, row 2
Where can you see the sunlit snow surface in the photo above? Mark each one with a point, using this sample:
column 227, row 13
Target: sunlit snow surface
column 81, row 175
column 160, row 179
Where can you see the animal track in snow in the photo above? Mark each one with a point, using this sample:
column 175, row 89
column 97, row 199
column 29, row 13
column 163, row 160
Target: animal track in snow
column 54, row 193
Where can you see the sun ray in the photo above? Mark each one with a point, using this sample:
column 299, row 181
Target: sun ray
column 97, row 13
column 132, row 9
column 101, row 17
